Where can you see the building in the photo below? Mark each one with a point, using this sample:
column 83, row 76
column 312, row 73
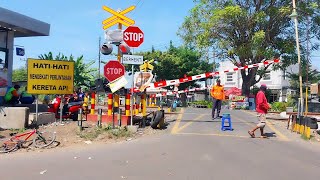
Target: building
column 275, row 80
column 14, row 25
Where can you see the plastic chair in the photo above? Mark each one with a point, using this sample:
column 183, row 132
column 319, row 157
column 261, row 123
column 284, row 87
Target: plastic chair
column 226, row 117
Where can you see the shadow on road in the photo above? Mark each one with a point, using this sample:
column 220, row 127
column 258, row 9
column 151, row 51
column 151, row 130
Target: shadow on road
column 216, row 121
column 270, row 134
column 170, row 121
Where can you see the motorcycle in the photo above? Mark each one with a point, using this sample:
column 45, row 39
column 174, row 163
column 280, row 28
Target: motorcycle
column 69, row 111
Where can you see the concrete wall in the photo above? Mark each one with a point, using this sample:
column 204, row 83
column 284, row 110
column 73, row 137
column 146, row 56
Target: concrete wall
column 16, row 117
column 237, row 80
column 43, row 118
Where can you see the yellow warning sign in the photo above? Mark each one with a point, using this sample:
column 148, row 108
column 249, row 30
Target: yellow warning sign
column 118, row 17
column 50, row 76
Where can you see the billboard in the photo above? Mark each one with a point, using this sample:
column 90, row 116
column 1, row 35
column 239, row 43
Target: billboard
column 142, row 80
column 3, row 72
column 50, row 76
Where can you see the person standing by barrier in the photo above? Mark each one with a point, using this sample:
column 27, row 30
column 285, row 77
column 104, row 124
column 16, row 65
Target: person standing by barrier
column 262, row 109
column 217, row 93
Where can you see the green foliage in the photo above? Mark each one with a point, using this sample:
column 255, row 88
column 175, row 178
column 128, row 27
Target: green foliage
column 83, row 72
column 282, row 106
column 203, row 103
column 279, row 106
column 247, row 32
column 313, row 77
column 290, row 101
column 20, row 74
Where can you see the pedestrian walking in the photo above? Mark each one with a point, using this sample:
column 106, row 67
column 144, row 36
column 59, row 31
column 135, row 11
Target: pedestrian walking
column 217, row 93
column 261, row 109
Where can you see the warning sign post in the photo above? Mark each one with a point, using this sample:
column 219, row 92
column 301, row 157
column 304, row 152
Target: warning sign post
column 50, row 76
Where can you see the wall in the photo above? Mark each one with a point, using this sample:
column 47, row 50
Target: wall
column 237, row 80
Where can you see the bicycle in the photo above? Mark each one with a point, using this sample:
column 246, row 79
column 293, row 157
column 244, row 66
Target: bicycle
column 15, row 142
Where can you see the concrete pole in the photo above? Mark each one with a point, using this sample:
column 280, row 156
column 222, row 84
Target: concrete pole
column 298, row 52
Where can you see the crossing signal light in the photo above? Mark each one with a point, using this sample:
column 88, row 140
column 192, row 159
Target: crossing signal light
column 106, row 49
column 124, row 48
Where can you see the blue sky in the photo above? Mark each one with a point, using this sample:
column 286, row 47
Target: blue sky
column 77, row 25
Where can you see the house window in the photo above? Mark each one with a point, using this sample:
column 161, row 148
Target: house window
column 273, row 98
column 284, row 75
column 229, row 77
column 267, row 76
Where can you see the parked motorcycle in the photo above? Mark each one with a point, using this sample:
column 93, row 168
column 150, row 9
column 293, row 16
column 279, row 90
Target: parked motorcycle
column 69, row 111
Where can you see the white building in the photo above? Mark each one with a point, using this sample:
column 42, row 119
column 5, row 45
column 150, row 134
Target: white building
column 275, row 80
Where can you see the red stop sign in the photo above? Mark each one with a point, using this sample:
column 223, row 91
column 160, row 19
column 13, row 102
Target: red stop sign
column 133, row 36
column 113, row 70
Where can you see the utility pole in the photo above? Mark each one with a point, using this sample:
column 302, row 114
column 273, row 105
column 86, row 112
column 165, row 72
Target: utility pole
column 99, row 57
column 307, row 69
column 294, row 16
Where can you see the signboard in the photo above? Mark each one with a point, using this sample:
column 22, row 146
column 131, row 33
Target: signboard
column 238, row 98
column 50, row 76
column 118, row 17
column 114, row 35
column 142, row 80
column 3, row 81
column 3, row 72
column 113, row 70
column 20, row 51
column 133, row 36
column 314, row 89
column 118, row 84
column 147, row 65
column 239, row 105
column 132, row 59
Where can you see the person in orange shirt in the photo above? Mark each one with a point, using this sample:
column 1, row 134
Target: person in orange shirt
column 217, row 93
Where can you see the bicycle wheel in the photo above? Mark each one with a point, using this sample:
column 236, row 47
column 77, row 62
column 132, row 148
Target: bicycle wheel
column 7, row 145
column 44, row 139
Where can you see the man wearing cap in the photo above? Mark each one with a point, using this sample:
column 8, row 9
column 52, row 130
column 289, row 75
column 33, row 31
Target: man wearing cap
column 262, row 109
column 217, row 93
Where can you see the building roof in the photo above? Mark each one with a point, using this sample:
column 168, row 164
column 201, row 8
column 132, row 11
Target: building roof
column 23, row 26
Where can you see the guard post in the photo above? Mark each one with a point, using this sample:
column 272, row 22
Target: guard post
column 99, row 117
column 80, row 119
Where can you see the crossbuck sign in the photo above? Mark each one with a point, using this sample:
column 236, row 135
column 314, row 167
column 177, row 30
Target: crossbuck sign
column 118, row 17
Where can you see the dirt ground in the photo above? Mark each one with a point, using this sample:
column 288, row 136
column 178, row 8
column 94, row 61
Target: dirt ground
column 68, row 134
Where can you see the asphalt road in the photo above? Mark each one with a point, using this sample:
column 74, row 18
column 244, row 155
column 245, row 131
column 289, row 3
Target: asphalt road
column 194, row 148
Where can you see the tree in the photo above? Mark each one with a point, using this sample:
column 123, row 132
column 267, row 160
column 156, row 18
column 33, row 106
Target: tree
column 83, row 73
column 247, row 32
column 20, row 74
column 313, row 77
column 177, row 62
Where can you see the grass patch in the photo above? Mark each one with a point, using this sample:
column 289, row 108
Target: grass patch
column 304, row 137
column 107, row 131
column 21, row 130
